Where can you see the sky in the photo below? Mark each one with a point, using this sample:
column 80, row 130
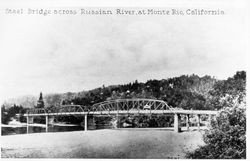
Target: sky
column 55, row 54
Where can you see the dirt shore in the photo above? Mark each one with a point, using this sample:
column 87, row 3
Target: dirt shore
column 121, row 143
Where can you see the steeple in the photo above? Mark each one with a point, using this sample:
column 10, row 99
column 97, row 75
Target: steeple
column 40, row 103
column 41, row 96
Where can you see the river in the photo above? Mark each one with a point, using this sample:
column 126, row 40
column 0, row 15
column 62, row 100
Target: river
column 99, row 123
column 38, row 129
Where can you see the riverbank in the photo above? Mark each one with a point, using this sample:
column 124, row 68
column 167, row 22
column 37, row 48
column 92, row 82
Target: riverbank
column 21, row 124
column 108, row 143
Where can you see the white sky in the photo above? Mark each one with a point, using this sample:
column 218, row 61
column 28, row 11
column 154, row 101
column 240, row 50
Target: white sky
column 56, row 54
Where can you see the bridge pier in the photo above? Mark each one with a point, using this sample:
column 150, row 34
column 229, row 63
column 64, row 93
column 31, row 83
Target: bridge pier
column 177, row 121
column 49, row 120
column 47, row 123
column 29, row 120
column 209, row 118
column 187, row 121
column 198, row 121
column 117, row 121
column 91, row 122
column 85, row 122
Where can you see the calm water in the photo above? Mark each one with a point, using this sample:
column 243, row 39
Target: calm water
column 100, row 123
column 39, row 129
column 36, row 129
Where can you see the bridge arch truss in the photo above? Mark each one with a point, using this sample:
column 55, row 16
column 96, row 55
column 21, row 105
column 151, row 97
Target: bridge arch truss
column 130, row 105
column 107, row 106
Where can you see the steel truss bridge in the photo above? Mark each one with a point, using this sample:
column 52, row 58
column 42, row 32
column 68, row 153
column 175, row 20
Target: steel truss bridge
column 118, row 107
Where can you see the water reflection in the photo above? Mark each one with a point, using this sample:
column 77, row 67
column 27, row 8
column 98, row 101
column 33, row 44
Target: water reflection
column 95, row 124
column 38, row 129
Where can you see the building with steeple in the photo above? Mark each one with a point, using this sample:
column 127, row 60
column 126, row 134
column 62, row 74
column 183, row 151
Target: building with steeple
column 40, row 103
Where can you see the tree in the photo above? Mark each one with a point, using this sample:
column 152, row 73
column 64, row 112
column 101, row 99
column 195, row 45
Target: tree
column 226, row 138
column 226, row 91
column 53, row 100
column 4, row 115
column 8, row 114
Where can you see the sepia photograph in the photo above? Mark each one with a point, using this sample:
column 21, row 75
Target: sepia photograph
column 124, row 81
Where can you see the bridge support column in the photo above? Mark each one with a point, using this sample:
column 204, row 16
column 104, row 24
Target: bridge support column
column 117, row 121
column 51, row 120
column 198, row 121
column 177, row 121
column 187, row 121
column 47, row 123
column 30, row 120
column 85, row 122
column 209, row 120
column 91, row 122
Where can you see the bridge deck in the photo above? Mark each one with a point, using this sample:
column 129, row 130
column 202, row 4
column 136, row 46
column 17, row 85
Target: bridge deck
column 115, row 112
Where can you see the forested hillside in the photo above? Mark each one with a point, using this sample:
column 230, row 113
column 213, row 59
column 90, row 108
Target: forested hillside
column 187, row 92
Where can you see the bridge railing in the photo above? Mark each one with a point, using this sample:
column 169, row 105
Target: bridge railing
column 61, row 109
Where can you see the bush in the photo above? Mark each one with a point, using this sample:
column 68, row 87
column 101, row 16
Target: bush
column 226, row 138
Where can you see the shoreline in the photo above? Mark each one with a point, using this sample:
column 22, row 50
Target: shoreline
column 36, row 124
column 107, row 143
